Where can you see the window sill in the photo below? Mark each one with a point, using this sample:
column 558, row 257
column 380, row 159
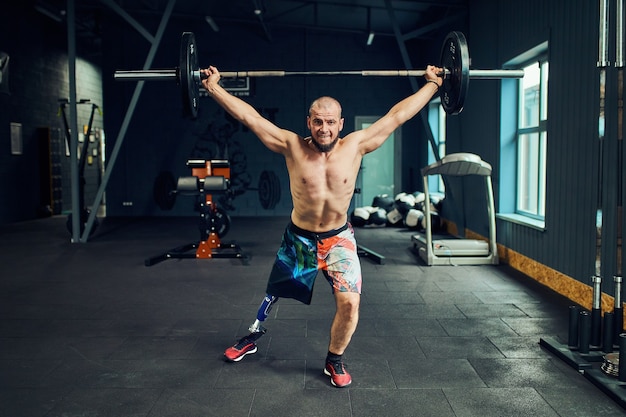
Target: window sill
column 522, row 220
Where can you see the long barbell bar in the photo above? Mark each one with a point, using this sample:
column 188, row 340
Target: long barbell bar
column 454, row 60
column 169, row 74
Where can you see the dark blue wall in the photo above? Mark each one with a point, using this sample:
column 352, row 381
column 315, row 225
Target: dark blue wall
column 38, row 77
column 499, row 31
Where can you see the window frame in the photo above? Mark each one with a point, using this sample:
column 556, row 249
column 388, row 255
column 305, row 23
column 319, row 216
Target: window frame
column 437, row 120
column 537, row 132
column 509, row 126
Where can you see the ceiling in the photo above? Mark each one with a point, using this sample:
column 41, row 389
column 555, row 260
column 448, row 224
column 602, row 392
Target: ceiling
column 407, row 19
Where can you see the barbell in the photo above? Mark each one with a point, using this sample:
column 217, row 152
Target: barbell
column 454, row 59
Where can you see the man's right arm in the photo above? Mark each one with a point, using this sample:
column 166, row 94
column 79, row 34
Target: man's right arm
column 271, row 135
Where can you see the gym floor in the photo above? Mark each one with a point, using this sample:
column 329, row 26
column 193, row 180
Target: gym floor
column 89, row 330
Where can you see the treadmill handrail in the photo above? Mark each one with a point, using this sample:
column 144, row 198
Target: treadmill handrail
column 458, row 164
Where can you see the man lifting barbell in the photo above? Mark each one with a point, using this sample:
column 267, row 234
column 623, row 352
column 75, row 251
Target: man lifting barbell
column 323, row 169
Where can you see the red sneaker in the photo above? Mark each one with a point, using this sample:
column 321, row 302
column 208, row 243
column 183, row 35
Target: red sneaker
column 339, row 377
column 240, row 349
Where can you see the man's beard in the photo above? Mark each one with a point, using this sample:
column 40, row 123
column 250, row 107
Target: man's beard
column 325, row 148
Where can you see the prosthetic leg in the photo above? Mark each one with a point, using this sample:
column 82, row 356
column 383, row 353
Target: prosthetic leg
column 247, row 344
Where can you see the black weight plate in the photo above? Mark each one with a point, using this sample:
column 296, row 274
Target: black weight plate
column 188, row 64
column 455, row 59
column 164, row 189
column 276, row 188
column 265, row 194
column 269, row 189
column 222, row 222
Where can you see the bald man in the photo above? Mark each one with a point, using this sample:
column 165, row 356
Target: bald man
column 323, row 169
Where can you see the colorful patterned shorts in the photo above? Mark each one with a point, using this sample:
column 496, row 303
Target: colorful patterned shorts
column 302, row 254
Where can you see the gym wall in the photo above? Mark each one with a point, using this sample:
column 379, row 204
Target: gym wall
column 498, row 32
column 38, row 77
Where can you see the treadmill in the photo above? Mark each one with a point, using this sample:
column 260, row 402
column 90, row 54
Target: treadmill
column 456, row 251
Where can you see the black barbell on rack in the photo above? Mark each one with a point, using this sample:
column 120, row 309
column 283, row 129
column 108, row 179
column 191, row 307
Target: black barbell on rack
column 454, row 59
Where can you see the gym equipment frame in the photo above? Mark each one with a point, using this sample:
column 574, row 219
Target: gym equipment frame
column 208, row 177
column 83, row 210
column 458, row 251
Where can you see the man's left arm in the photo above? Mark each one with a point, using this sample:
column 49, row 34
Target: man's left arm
column 375, row 135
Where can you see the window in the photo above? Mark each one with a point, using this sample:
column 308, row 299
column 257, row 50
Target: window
column 524, row 139
column 437, row 122
column 532, row 140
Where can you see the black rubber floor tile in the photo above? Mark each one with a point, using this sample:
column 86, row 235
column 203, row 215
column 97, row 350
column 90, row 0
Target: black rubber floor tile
column 463, row 285
column 458, row 347
column 399, row 403
column 520, row 347
column 506, row 297
column 319, row 328
column 412, row 311
column 26, row 373
column 502, row 283
column 374, row 373
column 408, row 327
column 30, row 402
column 481, row 310
column 94, row 348
column 33, row 347
column 148, row 348
column 450, row 297
column 26, row 328
column 287, row 402
column 49, row 309
column 365, row 328
column 581, row 402
column 431, row 374
column 477, row 327
column 518, row 373
column 106, row 402
column 131, row 327
column 414, row 285
column 204, row 402
column 498, row 402
column 385, row 297
column 540, row 327
column 135, row 373
column 375, row 347
column 170, row 312
column 205, row 326
column 557, row 310
column 289, row 348
column 254, row 371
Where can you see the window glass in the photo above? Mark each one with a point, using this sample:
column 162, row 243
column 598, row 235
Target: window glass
column 532, row 140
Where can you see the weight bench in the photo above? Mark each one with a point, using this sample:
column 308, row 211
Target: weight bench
column 208, row 178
